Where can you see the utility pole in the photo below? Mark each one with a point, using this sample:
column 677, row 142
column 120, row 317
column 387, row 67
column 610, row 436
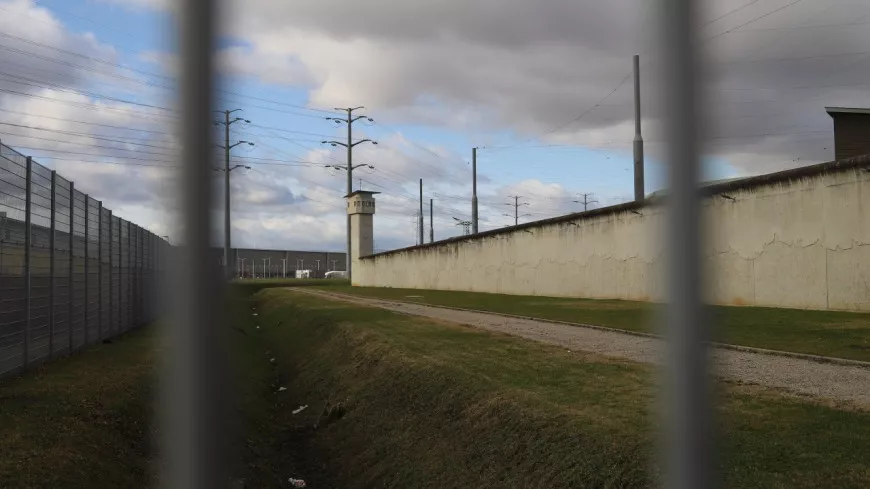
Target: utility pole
column 474, row 190
column 227, row 169
column 431, row 222
column 517, row 205
column 349, row 166
column 638, row 139
column 421, row 212
column 585, row 201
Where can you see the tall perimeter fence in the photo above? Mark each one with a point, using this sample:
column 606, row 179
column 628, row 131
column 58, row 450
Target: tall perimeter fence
column 71, row 273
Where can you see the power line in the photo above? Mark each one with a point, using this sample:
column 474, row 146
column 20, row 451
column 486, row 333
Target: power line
column 78, row 134
column 134, row 70
column 31, row 114
column 752, row 21
column 732, row 11
column 582, row 114
column 84, row 105
column 73, row 143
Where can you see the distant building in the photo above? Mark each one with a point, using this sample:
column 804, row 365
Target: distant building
column 253, row 263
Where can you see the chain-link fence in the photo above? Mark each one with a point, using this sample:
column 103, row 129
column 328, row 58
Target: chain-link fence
column 71, row 273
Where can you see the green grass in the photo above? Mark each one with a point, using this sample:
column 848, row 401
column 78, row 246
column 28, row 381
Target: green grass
column 269, row 446
column 827, row 333
column 431, row 404
column 404, row 403
column 82, row 421
column 249, row 287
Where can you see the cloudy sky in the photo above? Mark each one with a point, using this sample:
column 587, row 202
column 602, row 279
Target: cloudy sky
column 543, row 88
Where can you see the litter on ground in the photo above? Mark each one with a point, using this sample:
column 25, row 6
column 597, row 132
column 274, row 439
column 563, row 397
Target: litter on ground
column 282, row 389
column 300, row 409
column 297, row 482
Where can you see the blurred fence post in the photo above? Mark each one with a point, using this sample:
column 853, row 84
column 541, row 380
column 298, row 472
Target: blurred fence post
column 688, row 415
column 195, row 407
column 87, row 314
column 51, row 266
column 72, row 193
column 28, row 203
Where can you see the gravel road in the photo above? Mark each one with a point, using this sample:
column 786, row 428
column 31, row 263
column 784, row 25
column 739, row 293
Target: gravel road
column 839, row 383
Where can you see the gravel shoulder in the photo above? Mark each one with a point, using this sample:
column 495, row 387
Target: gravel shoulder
column 833, row 382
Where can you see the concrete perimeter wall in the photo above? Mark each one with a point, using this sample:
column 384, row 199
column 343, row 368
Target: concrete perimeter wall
column 798, row 238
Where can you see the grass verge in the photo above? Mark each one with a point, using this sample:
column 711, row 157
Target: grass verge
column 827, row 333
column 82, row 421
column 428, row 404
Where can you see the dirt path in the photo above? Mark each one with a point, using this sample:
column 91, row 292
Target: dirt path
column 834, row 382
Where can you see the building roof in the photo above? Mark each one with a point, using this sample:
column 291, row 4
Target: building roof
column 366, row 192
column 846, row 110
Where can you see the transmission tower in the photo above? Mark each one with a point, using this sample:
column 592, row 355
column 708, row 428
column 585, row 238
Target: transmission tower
column 584, row 199
column 466, row 225
column 517, row 204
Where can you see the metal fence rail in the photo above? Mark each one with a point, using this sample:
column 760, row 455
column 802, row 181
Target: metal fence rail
column 71, row 273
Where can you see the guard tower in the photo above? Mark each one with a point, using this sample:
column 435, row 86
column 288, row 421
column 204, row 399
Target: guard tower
column 361, row 211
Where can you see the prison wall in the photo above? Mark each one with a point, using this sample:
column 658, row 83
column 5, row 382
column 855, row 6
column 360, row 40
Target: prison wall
column 798, row 238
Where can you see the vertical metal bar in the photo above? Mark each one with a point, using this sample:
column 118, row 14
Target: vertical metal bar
column 111, row 274
column 128, row 279
column 431, row 222
column 100, row 272
column 195, row 378
column 87, row 269
column 72, row 191
column 134, row 292
column 639, row 189
column 28, row 203
column 51, row 265
column 140, row 295
column 688, row 416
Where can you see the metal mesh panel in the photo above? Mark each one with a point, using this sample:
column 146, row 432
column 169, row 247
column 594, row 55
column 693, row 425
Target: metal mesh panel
column 79, row 277
column 124, row 277
column 137, row 275
column 12, row 282
column 62, row 264
column 86, row 274
column 105, row 272
column 40, row 262
column 115, row 298
column 93, row 270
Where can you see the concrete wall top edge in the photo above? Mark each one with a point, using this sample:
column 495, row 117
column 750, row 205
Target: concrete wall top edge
column 750, row 184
